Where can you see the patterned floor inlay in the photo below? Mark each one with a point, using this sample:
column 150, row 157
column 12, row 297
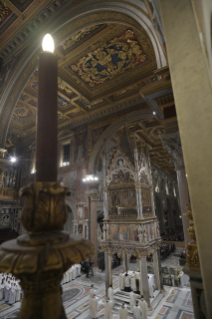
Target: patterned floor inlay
column 182, row 314
column 71, row 293
column 173, row 297
column 72, row 315
column 176, row 303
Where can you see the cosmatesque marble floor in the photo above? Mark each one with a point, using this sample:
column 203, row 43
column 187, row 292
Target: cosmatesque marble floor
column 175, row 304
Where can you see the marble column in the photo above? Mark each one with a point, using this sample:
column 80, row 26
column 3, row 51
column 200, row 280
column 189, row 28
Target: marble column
column 139, row 200
column 189, row 59
column 144, row 280
column 172, row 143
column 110, row 269
column 157, row 270
column 125, row 262
column 93, row 227
column 105, row 203
column 107, row 277
column 140, row 282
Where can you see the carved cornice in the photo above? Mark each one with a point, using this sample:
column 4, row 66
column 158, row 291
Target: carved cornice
column 30, row 28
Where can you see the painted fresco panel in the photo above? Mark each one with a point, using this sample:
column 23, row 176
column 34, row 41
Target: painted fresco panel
column 133, row 233
column 123, row 232
column 113, row 235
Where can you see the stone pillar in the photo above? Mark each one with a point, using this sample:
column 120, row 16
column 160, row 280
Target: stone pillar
column 93, row 227
column 105, row 203
column 110, row 269
column 173, row 144
column 140, row 282
column 125, row 262
column 191, row 83
column 107, row 279
column 157, row 270
column 139, row 200
column 144, row 280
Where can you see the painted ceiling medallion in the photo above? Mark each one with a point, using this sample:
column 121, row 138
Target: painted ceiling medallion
column 22, row 113
column 118, row 55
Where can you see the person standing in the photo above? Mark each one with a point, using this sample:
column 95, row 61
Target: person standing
column 91, row 292
column 121, row 281
column 111, row 294
column 79, row 269
column 7, row 291
column 108, row 309
column 123, row 312
column 133, row 281
column 132, row 299
column 127, row 282
column 143, row 305
column 12, row 294
column 5, row 284
column 150, row 288
column 2, row 289
column 70, row 272
column 93, row 306
column 18, row 291
column 137, row 312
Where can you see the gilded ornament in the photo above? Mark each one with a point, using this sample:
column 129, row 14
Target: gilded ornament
column 44, row 207
column 77, row 37
column 3, row 10
column 110, row 60
column 160, row 131
column 192, row 257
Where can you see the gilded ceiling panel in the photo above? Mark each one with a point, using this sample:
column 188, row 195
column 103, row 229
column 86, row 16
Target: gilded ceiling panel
column 22, row 113
column 76, row 38
column 120, row 54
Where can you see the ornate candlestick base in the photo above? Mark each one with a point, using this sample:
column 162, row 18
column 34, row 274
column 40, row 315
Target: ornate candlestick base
column 40, row 258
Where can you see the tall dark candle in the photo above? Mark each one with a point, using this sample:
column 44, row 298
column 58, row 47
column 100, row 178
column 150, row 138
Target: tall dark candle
column 46, row 141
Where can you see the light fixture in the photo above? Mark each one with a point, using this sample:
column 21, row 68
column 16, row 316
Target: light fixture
column 154, row 113
column 13, row 159
column 48, row 43
column 180, row 216
column 64, row 164
column 33, row 171
column 90, row 179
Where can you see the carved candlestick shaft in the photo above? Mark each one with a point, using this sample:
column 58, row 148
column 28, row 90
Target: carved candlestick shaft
column 46, row 143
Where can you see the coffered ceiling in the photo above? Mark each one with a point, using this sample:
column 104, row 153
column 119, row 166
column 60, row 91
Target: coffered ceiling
column 104, row 71
column 99, row 67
